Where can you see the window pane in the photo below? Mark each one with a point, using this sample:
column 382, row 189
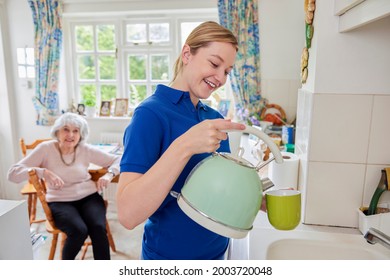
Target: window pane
column 88, row 92
column 136, row 33
column 106, row 37
column 30, row 56
column 160, row 67
column 21, row 56
column 159, row 32
column 84, row 38
column 22, row 71
column 137, row 67
column 186, row 28
column 137, row 94
column 30, row 72
column 108, row 92
column 86, row 67
column 107, row 67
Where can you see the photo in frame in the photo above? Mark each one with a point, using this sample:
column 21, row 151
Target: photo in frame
column 223, row 107
column 121, row 105
column 81, row 109
column 105, row 109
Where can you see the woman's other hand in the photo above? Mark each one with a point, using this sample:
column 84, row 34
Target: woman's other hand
column 103, row 182
column 263, row 206
column 206, row 136
column 52, row 179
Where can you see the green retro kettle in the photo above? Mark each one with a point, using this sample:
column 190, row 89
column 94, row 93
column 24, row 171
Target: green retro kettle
column 223, row 192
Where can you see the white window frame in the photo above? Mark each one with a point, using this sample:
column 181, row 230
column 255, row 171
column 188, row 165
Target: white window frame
column 175, row 18
column 74, row 56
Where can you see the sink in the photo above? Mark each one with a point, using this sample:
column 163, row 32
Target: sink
column 296, row 249
column 306, row 242
column 271, row 244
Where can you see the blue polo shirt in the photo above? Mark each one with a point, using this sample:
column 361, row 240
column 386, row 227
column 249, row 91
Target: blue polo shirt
column 156, row 123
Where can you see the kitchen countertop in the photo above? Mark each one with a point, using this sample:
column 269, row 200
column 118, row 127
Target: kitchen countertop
column 264, row 235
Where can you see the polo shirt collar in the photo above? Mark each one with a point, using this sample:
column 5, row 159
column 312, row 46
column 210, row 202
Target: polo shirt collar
column 175, row 95
column 201, row 105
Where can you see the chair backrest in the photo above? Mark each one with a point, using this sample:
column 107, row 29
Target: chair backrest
column 40, row 186
column 31, row 146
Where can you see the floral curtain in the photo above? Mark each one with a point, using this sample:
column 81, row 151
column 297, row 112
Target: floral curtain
column 241, row 17
column 47, row 15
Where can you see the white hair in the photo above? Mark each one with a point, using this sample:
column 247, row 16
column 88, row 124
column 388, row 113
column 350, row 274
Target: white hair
column 71, row 119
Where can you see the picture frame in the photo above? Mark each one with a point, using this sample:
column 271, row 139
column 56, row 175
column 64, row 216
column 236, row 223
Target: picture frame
column 81, row 109
column 121, row 107
column 224, row 106
column 105, row 109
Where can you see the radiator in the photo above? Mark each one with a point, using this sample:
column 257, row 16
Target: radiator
column 110, row 192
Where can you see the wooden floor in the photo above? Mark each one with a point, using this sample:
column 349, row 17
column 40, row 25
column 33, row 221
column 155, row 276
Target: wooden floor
column 128, row 242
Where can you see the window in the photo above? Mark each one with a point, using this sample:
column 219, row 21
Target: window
column 95, row 51
column 126, row 57
column 149, row 49
column 25, row 58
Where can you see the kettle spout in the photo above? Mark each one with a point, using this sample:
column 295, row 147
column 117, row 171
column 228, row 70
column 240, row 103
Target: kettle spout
column 267, row 183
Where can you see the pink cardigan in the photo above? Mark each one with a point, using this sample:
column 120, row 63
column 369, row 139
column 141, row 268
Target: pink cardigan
column 78, row 183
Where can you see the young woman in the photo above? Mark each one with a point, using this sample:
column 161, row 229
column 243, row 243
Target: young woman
column 169, row 134
column 77, row 207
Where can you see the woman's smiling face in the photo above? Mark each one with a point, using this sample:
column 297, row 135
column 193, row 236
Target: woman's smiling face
column 69, row 136
column 208, row 68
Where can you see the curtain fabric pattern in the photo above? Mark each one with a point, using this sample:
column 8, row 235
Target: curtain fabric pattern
column 241, row 17
column 47, row 16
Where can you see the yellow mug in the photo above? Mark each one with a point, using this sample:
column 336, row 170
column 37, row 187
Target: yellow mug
column 283, row 208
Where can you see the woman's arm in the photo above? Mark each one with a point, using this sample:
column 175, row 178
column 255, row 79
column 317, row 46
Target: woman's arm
column 18, row 172
column 106, row 160
column 140, row 195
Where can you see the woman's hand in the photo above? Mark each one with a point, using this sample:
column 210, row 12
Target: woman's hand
column 263, row 206
column 103, row 181
column 206, row 136
column 52, row 179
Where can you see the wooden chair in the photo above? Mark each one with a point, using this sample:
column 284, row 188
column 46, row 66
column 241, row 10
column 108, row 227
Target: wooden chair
column 40, row 187
column 28, row 189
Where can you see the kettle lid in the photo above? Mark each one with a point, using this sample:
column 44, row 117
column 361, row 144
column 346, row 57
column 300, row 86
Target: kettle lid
column 236, row 159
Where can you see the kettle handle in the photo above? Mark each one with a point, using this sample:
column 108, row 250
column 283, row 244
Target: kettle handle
column 267, row 140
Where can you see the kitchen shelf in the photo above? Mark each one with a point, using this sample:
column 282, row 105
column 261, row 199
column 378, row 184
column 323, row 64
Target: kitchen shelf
column 364, row 13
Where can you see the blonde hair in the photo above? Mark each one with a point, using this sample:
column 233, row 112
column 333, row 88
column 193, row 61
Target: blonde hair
column 204, row 34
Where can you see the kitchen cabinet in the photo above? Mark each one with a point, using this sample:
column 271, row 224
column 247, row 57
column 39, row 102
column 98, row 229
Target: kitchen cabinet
column 341, row 6
column 356, row 13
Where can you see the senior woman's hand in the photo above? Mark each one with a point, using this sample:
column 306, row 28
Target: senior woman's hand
column 52, row 179
column 103, row 181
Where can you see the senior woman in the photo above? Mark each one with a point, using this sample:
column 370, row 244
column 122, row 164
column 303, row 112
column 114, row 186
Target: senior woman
column 78, row 208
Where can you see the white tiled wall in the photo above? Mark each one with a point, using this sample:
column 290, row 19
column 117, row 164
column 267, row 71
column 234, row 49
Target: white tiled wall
column 302, row 138
column 342, row 141
column 333, row 193
column 340, row 128
column 379, row 145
